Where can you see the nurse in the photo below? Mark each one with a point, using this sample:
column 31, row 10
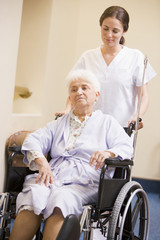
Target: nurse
column 118, row 68
column 78, row 143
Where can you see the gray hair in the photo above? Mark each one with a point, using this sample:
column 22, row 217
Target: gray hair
column 85, row 75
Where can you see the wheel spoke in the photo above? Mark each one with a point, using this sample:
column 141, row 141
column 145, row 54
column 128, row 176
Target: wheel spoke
column 136, row 211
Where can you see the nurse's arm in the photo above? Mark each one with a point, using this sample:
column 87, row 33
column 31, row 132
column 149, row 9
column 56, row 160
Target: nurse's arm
column 144, row 104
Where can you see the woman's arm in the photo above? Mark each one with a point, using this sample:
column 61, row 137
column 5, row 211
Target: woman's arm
column 144, row 104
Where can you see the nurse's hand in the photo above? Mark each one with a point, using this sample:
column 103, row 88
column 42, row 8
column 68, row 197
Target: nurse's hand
column 140, row 123
column 98, row 158
column 45, row 174
column 61, row 113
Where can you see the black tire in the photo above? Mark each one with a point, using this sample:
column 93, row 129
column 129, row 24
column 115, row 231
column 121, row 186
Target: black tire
column 125, row 210
column 4, row 228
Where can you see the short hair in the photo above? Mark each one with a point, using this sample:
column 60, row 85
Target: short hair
column 85, row 75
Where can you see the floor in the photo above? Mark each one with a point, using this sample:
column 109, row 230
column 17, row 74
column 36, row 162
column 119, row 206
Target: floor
column 154, row 203
column 152, row 188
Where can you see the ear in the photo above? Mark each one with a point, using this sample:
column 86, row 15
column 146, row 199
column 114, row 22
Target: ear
column 69, row 100
column 97, row 95
column 124, row 32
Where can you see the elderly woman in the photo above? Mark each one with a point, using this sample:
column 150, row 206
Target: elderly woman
column 78, row 143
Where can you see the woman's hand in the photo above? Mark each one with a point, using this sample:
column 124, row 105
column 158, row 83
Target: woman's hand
column 45, row 174
column 140, row 123
column 98, row 158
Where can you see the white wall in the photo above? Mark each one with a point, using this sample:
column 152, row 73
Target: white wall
column 47, row 63
column 44, row 74
column 32, row 54
column 65, row 29
column 10, row 19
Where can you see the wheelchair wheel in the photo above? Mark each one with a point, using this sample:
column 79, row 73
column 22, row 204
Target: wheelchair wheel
column 4, row 228
column 130, row 214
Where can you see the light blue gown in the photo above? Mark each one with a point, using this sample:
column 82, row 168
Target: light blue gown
column 76, row 182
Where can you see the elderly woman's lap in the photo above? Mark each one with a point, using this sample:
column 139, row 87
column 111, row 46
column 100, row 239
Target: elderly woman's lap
column 69, row 198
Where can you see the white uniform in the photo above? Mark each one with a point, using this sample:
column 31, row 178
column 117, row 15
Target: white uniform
column 118, row 80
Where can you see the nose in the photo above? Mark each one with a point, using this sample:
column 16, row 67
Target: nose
column 79, row 91
column 109, row 33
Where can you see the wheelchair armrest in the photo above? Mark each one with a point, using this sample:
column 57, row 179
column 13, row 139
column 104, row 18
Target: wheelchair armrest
column 117, row 162
column 15, row 149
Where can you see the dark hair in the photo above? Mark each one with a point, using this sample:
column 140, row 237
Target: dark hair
column 119, row 13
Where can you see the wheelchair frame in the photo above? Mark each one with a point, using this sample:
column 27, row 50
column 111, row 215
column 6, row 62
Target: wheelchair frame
column 127, row 218
column 123, row 214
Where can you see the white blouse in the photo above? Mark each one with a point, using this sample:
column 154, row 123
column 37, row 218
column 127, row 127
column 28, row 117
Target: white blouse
column 119, row 80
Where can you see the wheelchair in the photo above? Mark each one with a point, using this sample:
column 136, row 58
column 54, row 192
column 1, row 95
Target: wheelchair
column 121, row 211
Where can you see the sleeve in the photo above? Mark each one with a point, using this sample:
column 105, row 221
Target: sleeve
column 118, row 141
column 39, row 141
column 139, row 70
column 31, row 156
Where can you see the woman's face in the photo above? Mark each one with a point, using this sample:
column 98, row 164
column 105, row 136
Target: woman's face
column 82, row 94
column 111, row 31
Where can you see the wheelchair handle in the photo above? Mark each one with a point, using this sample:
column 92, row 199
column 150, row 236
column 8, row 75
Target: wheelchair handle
column 15, row 149
column 131, row 126
column 59, row 115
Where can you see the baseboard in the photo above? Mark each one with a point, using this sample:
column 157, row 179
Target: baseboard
column 148, row 185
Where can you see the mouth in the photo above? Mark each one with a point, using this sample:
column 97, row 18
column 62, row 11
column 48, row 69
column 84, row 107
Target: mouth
column 109, row 40
column 80, row 98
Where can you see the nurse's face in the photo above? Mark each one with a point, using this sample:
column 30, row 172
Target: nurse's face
column 111, row 31
column 82, row 95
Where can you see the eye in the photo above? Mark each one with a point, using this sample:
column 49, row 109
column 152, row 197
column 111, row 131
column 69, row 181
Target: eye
column 84, row 88
column 115, row 31
column 73, row 89
column 105, row 29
